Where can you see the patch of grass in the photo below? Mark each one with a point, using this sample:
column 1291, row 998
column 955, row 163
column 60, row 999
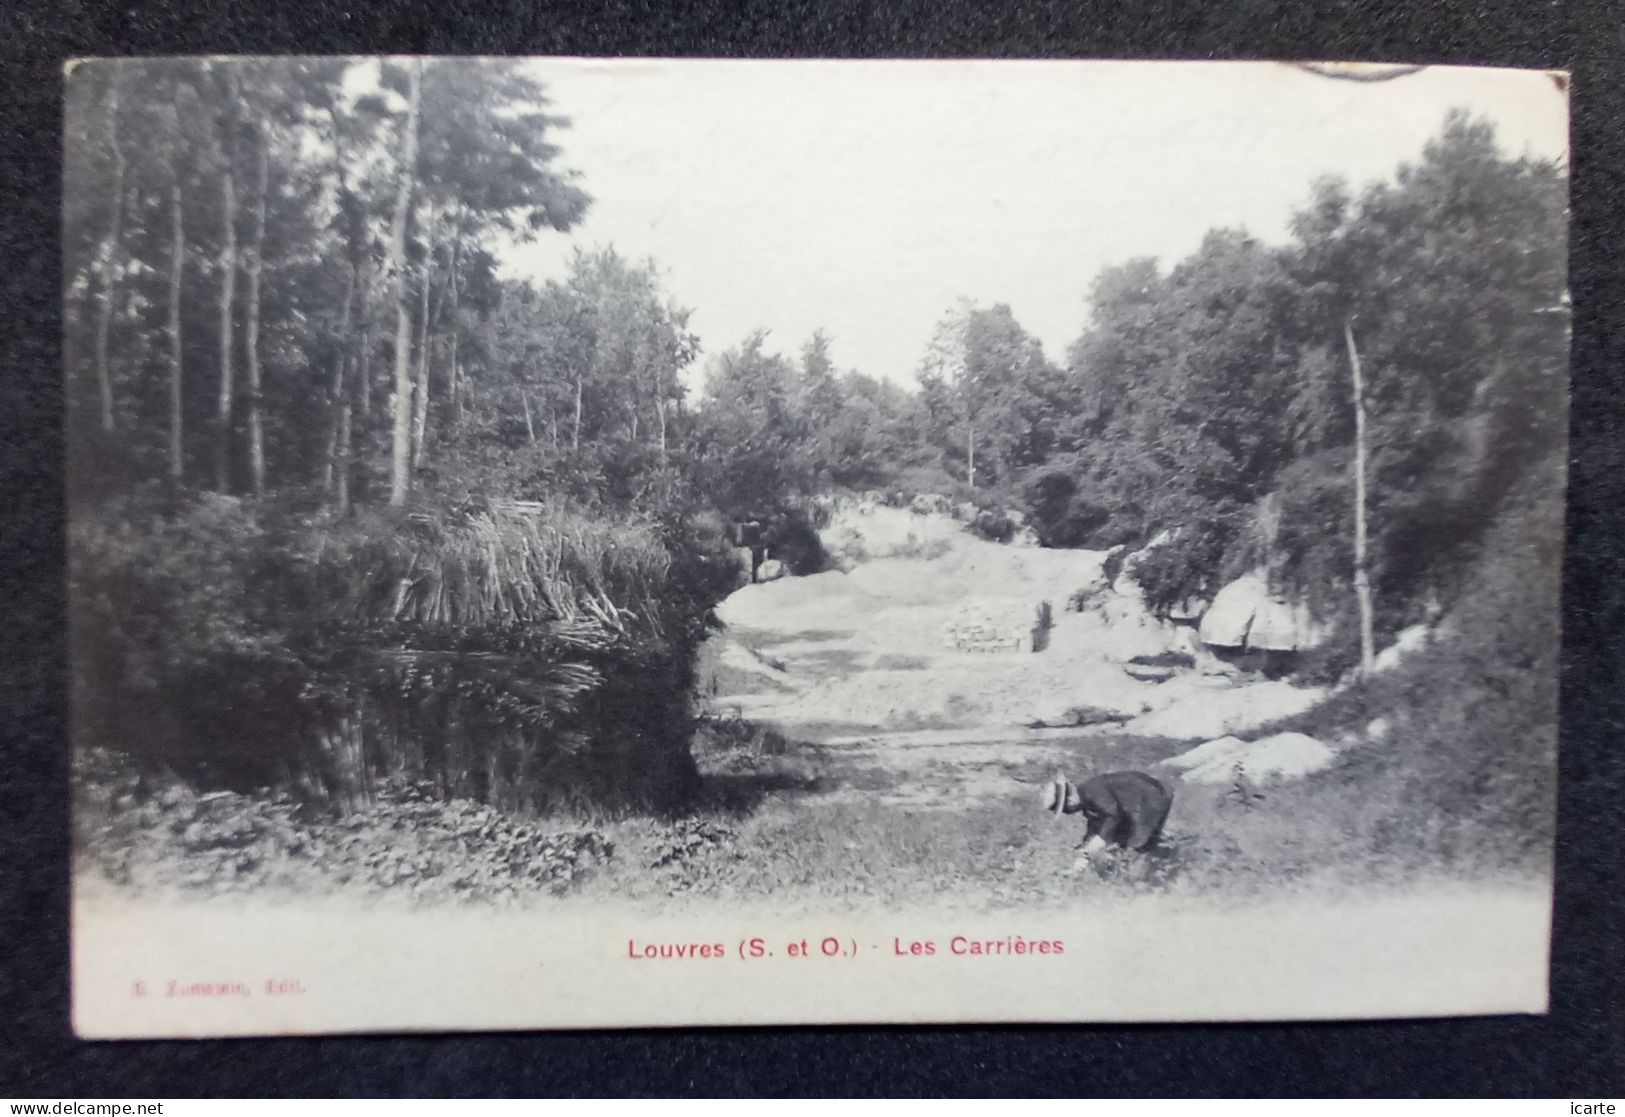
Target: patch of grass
column 720, row 739
column 848, row 842
column 901, row 663
column 926, row 549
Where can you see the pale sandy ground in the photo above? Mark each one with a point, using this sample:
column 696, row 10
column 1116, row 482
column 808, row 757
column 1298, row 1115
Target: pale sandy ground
column 385, row 968
column 866, row 649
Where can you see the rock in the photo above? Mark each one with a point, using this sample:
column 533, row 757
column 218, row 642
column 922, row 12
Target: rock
column 1094, row 715
column 1148, row 674
column 1282, row 627
column 1207, row 713
column 1282, row 756
column 1171, row 658
column 1230, row 617
column 175, row 797
column 1244, row 614
column 1080, row 717
column 1377, row 729
column 1185, row 642
column 771, row 571
column 743, row 560
column 1220, row 749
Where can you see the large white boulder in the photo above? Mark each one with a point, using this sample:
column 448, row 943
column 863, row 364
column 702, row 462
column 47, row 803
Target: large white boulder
column 1205, row 712
column 742, row 561
column 1220, row 750
column 1282, row 756
column 1245, row 614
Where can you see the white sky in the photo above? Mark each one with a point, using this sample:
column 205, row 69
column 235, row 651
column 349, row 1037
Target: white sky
column 866, row 197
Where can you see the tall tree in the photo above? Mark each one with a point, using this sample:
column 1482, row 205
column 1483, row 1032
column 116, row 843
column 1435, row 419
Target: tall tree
column 226, row 109
column 420, row 378
column 254, row 266
column 822, row 396
column 753, row 438
column 1362, row 573
column 1441, row 277
column 401, row 396
column 1004, row 390
column 352, row 138
column 177, row 349
column 110, row 258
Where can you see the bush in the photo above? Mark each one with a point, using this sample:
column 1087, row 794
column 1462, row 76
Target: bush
column 1060, row 514
column 1186, row 564
column 917, row 479
column 790, row 536
column 528, row 658
column 996, row 526
column 1466, row 770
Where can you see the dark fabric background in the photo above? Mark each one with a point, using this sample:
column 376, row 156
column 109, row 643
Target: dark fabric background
column 1576, row 1051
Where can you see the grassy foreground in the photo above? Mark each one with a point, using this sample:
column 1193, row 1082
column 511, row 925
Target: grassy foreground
column 836, row 826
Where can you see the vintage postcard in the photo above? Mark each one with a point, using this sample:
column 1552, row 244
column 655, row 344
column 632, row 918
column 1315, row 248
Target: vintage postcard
column 565, row 543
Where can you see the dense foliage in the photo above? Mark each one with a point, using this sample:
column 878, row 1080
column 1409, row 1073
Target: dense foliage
column 1215, row 401
column 348, row 505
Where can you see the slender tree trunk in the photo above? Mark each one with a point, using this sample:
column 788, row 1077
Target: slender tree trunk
column 363, row 394
column 251, row 335
column 111, row 257
column 420, row 379
column 177, row 266
column 341, row 488
column 400, row 471
column 334, row 465
column 970, row 455
column 363, row 371
column 456, row 373
column 357, row 304
column 530, row 427
column 228, row 295
column 454, row 296
column 575, row 434
column 660, row 416
column 1362, row 575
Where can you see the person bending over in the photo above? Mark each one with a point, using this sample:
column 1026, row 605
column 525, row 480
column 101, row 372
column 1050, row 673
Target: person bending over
column 1125, row 810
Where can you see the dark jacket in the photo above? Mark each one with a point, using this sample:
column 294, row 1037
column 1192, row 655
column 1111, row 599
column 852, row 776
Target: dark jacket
column 1124, row 808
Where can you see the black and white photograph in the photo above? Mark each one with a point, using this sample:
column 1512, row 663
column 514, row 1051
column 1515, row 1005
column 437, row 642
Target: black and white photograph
column 562, row 543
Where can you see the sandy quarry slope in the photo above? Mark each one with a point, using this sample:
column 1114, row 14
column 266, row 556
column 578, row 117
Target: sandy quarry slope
column 872, row 648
